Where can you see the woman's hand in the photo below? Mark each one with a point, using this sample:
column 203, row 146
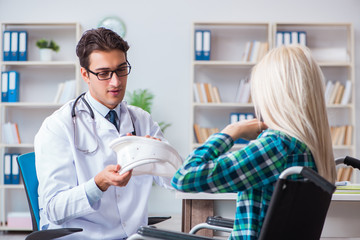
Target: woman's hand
column 246, row 129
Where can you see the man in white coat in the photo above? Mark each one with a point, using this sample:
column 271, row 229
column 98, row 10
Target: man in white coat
column 79, row 183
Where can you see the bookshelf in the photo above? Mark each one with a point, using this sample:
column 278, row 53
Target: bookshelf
column 38, row 85
column 332, row 44
column 226, row 67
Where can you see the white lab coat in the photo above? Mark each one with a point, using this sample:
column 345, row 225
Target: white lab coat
column 63, row 170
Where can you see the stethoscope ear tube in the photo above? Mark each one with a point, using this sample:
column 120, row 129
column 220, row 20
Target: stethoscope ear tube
column 73, row 113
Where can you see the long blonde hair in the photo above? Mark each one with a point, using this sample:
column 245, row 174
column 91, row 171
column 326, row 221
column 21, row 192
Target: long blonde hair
column 287, row 88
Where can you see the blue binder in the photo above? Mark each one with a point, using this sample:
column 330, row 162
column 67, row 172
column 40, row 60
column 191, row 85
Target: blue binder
column 4, row 86
column 6, row 45
column 13, row 92
column 14, row 48
column 23, row 39
column 198, row 45
column 206, row 45
column 7, row 168
column 15, row 176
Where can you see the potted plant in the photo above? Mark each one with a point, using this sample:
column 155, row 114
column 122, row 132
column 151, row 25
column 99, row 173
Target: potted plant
column 143, row 98
column 46, row 49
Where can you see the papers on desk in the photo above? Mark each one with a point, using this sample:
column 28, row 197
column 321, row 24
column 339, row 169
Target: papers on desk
column 347, row 188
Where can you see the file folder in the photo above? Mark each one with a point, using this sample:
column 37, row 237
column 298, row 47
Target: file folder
column 206, row 45
column 23, row 46
column 302, row 38
column 4, row 86
column 6, row 45
column 279, row 39
column 294, row 38
column 287, row 38
column 14, row 53
column 7, row 168
column 198, row 44
column 13, row 92
column 15, row 177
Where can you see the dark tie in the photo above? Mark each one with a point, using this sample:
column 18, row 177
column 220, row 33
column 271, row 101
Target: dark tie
column 112, row 116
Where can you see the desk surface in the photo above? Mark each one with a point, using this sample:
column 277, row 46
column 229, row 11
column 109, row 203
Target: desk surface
column 232, row 196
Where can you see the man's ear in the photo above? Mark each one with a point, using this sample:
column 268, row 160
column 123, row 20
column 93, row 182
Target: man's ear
column 85, row 75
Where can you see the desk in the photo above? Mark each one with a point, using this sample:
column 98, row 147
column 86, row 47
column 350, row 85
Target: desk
column 343, row 218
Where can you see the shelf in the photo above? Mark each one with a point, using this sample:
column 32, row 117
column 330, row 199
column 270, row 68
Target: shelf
column 223, row 63
column 251, row 64
column 39, row 83
column 39, row 63
column 32, row 105
column 14, row 229
column 10, row 186
column 224, row 105
column 21, row 145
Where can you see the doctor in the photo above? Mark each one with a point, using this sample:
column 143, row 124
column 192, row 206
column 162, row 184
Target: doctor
column 79, row 184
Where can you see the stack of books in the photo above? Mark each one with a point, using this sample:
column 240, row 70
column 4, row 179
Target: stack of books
column 11, row 133
column 341, row 135
column 243, row 92
column 201, row 133
column 348, row 189
column 337, row 93
column 254, row 51
column 206, row 93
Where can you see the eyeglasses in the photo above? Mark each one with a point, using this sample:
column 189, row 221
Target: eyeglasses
column 106, row 75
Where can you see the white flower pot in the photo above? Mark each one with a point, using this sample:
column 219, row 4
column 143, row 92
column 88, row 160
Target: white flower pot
column 45, row 54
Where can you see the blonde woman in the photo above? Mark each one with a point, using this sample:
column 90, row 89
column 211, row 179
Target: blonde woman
column 287, row 89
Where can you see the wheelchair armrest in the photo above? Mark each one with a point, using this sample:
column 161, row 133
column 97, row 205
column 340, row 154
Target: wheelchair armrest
column 167, row 235
column 155, row 220
column 220, row 221
column 52, row 233
column 353, row 162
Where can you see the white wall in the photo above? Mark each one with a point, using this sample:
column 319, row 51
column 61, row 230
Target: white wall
column 159, row 35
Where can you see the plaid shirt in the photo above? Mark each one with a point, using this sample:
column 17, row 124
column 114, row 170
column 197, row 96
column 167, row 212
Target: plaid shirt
column 251, row 172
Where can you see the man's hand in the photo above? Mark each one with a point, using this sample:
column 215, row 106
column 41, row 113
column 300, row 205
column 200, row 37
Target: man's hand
column 110, row 177
column 246, row 129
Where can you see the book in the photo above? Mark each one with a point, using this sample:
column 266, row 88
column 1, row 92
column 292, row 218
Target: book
column 279, row 39
column 347, row 93
column 197, row 133
column 334, row 93
column 341, row 135
column 59, row 92
column 200, row 93
column 196, row 94
column 246, row 52
column 328, row 90
column 206, row 45
column 339, row 94
column 217, row 94
column 198, row 44
column 239, row 91
column 207, row 88
column 348, row 135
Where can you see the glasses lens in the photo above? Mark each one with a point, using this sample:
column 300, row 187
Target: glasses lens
column 123, row 71
column 104, row 75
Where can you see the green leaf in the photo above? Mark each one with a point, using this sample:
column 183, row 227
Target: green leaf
column 143, row 99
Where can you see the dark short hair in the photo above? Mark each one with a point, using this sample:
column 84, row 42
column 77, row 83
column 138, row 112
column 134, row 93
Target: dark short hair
column 101, row 39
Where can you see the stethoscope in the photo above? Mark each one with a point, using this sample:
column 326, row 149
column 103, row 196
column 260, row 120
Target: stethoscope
column 92, row 115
